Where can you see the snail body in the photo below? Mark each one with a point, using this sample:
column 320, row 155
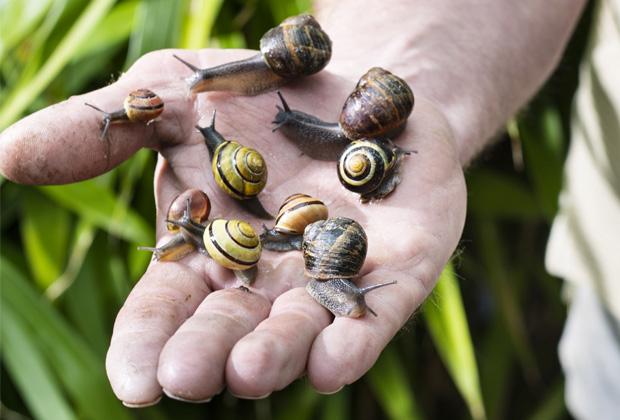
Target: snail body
column 181, row 244
column 297, row 47
column 141, row 105
column 297, row 212
column 370, row 167
column 379, row 106
column 240, row 171
column 334, row 251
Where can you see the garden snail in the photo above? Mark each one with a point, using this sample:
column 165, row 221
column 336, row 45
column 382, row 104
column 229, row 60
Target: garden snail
column 297, row 212
column 231, row 243
column 370, row 167
column 141, row 105
column 297, row 47
column 378, row 107
column 239, row 171
column 179, row 246
column 334, row 251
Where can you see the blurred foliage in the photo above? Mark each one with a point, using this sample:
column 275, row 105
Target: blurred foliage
column 66, row 265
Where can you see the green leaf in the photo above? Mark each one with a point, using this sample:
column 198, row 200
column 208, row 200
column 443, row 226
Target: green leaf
column 22, row 97
column 446, row 321
column 17, row 19
column 157, row 25
column 300, row 403
column 23, row 357
column 495, row 195
column 336, row 406
column 98, row 205
column 391, row 387
column 114, row 28
column 199, row 23
column 45, row 233
column 79, row 370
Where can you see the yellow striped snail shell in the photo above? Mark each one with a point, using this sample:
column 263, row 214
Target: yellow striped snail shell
column 297, row 47
column 369, row 167
column 297, row 212
column 334, row 251
column 240, row 171
column 141, row 105
column 379, row 106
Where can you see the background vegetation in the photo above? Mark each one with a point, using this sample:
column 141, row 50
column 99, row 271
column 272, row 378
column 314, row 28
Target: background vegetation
column 483, row 346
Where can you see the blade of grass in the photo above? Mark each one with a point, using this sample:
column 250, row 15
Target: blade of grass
column 25, row 363
column 95, row 203
column 79, row 369
column 447, row 325
column 336, row 406
column 300, row 404
column 553, row 406
column 391, row 387
column 17, row 19
column 45, row 234
column 199, row 23
column 20, row 99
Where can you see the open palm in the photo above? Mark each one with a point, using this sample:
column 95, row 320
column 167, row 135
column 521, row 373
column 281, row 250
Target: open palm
column 186, row 328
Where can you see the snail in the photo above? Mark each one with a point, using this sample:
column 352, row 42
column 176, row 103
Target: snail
column 370, row 167
column 297, row 211
column 334, row 251
column 233, row 244
column 378, row 107
column 239, row 171
column 178, row 247
column 297, row 47
column 141, row 105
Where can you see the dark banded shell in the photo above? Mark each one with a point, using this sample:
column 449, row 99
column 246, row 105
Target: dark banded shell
column 378, row 107
column 199, row 208
column 298, row 46
column 297, row 212
column 364, row 164
column 334, row 248
column 232, row 243
column 143, row 105
column 240, row 171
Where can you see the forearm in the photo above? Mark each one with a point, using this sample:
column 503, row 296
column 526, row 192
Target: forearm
column 477, row 60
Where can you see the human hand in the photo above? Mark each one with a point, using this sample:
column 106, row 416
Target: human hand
column 185, row 328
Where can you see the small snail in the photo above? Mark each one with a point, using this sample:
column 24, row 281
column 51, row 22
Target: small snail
column 378, row 107
column 179, row 246
column 141, row 105
column 231, row 243
column 297, row 47
column 334, row 251
column 297, row 212
column 370, row 167
column 239, row 171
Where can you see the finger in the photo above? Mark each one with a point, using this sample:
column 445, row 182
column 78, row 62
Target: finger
column 62, row 143
column 348, row 348
column 167, row 294
column 191, row 366
column 275, row 353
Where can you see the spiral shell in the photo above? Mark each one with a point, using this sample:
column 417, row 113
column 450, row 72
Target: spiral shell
column 379, row 106
column 334, row 248
column 365, row 164
column 199, row 208
column 298, row 46
column 297, row 212
column 143, row 105
column 240, row 171
column 232, row 243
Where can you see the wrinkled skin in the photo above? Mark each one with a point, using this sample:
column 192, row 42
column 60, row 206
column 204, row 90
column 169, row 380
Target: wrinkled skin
column 186, row 329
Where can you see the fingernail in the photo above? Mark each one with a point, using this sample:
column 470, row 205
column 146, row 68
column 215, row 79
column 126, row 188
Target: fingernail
column 245, row 397
column 141, row 405
column 176, row 397
column 330, row 392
